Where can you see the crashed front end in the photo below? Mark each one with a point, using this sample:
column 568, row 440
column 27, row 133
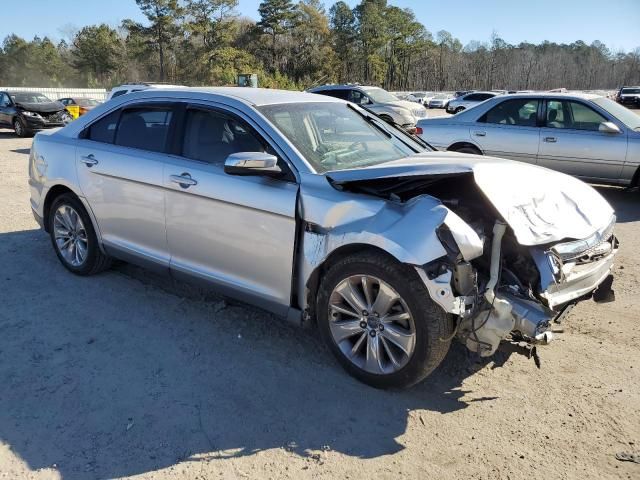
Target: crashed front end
column 521, row 245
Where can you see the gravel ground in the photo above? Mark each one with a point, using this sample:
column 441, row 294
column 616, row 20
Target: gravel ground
column 130, row 375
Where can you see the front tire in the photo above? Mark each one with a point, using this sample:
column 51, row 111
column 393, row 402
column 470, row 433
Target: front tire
column 458, row 110
column 377, row 318
column 20, row 128
column 73, row 237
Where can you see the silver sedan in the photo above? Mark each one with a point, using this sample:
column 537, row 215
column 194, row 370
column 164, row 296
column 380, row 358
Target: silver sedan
column 588, row 136
column 315, row 209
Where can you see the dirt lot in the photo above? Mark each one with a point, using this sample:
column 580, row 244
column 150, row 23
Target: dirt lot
column 127, row 374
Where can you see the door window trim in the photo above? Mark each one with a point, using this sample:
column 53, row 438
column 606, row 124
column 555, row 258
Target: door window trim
column 174, row 105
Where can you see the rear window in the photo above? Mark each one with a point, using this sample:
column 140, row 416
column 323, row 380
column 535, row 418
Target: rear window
column 104, row 130
column 144, row 128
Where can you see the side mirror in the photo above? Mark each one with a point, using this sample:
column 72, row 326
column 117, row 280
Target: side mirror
column 608, row 127
column 252, row 163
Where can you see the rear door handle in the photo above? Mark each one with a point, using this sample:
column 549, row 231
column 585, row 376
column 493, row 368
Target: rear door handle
column 184, row 180
column 480, row 134
column 550, row 139
column 89, row 160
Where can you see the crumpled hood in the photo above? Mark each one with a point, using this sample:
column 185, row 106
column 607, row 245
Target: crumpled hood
column 540, row 205
column 48, row 107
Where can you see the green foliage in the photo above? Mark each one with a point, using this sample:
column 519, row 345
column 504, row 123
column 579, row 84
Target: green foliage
column 296, row 45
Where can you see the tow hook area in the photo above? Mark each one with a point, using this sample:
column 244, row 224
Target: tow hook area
column 604, row 293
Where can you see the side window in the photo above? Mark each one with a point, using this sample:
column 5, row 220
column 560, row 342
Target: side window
column 585, row 118
column 211, row 137
column 104, row 130
column 144, row 128
column 4, row 100
column 358, row 97
column 341, row 94
column 521, row 112
column 118, row 93
column 572, row 115
column 555, row 114
column 484, row 96
column 472, row 97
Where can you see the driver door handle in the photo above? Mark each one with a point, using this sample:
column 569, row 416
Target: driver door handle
column 184, row 180
column 550, row 139
column 89, row 160
column 480, row 133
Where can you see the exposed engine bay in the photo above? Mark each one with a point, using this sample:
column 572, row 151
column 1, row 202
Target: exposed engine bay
column 498, row 288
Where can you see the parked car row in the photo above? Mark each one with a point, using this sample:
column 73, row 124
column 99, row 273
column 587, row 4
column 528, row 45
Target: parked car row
column 312, row 207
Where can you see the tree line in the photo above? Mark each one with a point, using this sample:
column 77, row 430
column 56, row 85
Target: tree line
column 297, row 45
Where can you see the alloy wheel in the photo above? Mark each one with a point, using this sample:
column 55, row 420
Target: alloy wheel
column 371, row 324
column 70, row 236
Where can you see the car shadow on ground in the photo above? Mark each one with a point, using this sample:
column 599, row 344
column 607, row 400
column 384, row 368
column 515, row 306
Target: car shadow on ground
column 112, row 376
column 625, row 202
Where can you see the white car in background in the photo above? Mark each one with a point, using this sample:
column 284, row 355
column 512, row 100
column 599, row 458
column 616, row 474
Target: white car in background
column 387, row 106
column 440, row 101
column 137, row 87
column 469, row 100
column 422, row 98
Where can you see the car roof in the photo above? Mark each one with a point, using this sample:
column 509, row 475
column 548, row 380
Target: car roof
column 252, row 96
column 566, row 95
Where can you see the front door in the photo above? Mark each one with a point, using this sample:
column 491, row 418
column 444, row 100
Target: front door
column 571, row 142
column 235, row 232
column 120, row 170
column 6, row 109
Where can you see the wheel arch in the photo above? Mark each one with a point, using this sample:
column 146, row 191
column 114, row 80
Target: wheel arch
column 59, row 189
column 314, row 279
column 457, row 145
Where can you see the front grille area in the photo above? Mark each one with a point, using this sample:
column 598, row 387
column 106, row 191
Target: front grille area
column 599, row 245
column 55, row 117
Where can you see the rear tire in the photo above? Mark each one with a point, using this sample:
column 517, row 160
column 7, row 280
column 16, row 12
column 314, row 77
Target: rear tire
column 73, row 237
column 458, row 110
column 424, row 320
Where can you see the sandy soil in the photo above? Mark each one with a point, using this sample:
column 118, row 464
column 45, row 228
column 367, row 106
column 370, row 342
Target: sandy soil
column 130, row 375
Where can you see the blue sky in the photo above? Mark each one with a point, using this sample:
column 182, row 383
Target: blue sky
column 614, row 22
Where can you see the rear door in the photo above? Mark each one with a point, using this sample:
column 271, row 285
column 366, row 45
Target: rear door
column 570, row 142
column 509, row 130
column 120, row 166
column 237, row 232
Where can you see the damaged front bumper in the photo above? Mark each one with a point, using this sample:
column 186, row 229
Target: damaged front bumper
column 569, row 272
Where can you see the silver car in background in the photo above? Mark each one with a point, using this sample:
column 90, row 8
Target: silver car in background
column 314, row 209
column 588, row 136
column 440, row 100
column 468, row 100
column 384, row 104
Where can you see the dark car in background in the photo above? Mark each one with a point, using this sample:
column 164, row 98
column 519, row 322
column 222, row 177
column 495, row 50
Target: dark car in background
column 84, row 104
column 27, row 112
column 629, row 97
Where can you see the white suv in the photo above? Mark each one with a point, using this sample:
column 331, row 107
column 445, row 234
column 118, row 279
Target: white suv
column 137, row 87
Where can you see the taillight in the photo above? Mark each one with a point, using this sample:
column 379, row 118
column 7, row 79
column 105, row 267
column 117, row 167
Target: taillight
column 82, row 111
column 418, row 131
